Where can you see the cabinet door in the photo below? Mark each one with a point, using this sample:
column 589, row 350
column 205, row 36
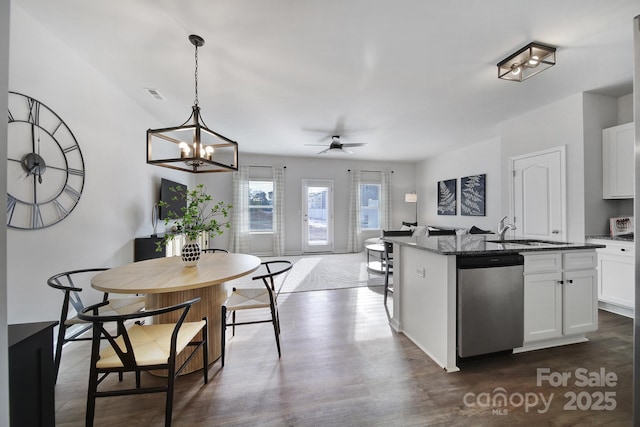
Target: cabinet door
column 580, row 302
column 618, row 162
column 542, row 306
column 616, row 274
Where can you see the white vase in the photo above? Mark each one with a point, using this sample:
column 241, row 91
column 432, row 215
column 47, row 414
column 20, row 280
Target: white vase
column 191, row 253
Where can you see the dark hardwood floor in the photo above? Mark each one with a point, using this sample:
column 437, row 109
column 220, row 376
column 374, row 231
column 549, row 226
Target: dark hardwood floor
column 342, row 365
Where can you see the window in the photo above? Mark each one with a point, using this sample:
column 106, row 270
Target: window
column 370, row 206
column 260, row 205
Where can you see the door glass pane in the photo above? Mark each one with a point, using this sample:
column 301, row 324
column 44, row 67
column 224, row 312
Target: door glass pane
column 317, row 209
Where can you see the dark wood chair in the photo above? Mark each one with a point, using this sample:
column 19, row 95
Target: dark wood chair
column 214, row 250
column 248, row 298
column 140, row 348
column 70, row 327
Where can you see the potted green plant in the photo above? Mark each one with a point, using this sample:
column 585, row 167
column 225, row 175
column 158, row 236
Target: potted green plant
column 197, row 217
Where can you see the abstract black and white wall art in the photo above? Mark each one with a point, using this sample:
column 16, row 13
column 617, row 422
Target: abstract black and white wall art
column 472, row 195
column 447, row 202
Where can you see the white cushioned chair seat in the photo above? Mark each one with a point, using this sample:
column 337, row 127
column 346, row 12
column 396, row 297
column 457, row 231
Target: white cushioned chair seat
column 115, row 306
column 151, row 343
column 242, row 299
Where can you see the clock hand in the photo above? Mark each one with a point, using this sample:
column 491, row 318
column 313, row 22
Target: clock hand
column 33, row 139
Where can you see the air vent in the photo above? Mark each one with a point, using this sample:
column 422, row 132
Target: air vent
column 154, row 93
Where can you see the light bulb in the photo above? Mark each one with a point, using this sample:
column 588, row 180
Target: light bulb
column 515, row 69
column 209, row 151
column 534, row 61
column 184, row 149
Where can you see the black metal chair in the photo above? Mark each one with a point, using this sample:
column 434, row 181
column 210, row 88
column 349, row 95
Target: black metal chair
column 142, row 347
column 70, row 327
column 213, row 250
column 387, row 257
column 387, row 263
column 248, row 298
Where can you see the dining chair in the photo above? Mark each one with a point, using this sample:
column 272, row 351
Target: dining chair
column 140, row 348
column 249, row 298
column 70, row 327
column 213, row 250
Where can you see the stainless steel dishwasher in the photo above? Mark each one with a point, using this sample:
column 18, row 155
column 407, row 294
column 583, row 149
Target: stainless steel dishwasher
column 490, row 304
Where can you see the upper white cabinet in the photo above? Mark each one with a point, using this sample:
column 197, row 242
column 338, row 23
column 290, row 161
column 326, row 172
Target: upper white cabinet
column 617, row 162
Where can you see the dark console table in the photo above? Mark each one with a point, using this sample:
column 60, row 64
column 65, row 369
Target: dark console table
column 145, row 248
column 31, row 374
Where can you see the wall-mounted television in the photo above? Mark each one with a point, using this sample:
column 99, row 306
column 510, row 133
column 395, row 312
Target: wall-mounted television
column 174, row 199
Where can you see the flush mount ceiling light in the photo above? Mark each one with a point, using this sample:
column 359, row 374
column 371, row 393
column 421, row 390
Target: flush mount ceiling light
column 527, row 62
column 192, row 146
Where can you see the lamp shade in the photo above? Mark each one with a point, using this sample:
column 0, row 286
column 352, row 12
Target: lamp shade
column 411, row 197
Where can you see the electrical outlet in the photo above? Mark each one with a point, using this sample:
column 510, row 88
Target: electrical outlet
column 420, row 271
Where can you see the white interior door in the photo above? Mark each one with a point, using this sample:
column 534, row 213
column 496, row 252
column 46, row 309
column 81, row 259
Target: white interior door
column 538, row 194
column 317, row 218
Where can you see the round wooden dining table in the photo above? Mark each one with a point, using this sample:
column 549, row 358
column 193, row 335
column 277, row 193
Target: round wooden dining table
column 167, row 281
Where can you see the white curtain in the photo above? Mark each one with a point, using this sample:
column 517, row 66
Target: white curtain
column 353, row 239
column 278, row 211
column 385, row 200
column 240, row 241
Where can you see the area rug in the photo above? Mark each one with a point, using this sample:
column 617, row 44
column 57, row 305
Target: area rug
column 330, row 271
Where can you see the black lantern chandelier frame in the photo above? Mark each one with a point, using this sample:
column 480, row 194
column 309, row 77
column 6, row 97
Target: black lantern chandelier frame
column 527, row 62
column 206, row 150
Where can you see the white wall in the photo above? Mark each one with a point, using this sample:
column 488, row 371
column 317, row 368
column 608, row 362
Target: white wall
column 557, row 124
column 403, row 181
column 120, row 187
column 625, row 109
column 480, row 158
column 4, row 79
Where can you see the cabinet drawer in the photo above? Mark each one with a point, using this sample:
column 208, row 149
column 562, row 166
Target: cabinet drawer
column 618, row 248
column 538, row 263
column 577, row 260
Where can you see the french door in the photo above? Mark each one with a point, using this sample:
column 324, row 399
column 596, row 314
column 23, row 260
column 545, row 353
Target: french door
column 317, row 218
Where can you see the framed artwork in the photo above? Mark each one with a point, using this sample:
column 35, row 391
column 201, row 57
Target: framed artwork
column 447, row 202
column 472, row 195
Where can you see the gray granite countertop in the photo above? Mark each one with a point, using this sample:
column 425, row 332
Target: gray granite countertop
column 475, row 244
column 623, row 238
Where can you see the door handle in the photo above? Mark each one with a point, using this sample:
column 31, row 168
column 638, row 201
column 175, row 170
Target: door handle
column 555, row 231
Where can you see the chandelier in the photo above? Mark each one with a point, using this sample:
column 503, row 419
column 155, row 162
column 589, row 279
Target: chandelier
column 192, row 146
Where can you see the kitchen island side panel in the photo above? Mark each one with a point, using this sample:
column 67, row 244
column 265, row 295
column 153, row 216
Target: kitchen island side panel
column 427, row 303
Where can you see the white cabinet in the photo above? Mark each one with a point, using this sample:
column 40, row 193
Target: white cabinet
column 618, row 162
column 616, row 277
column 560, row 294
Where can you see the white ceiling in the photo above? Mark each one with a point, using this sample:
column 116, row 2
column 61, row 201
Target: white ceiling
column 410, row 78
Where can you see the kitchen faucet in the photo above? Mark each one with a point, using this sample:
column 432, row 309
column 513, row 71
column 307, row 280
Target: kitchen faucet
column 502, row 229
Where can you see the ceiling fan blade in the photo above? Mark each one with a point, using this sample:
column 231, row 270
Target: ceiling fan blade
column 346, row 151
column 354, row 144
column 324, row 151
column 316, row 145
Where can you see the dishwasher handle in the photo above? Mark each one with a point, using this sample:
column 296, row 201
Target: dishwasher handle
column 489, row 261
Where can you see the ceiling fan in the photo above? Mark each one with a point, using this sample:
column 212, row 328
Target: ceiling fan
column 337, row 147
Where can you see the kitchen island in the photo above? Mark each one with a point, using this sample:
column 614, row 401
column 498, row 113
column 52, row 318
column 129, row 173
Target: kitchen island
column 560, row 290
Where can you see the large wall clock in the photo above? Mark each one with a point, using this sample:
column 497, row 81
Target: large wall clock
column 45, row 168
